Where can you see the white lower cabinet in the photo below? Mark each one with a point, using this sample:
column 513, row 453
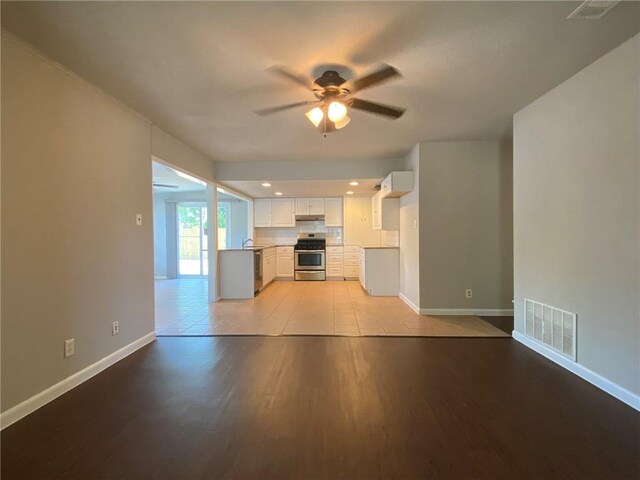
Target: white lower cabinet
column 334, row 262
column 268, row 265
column 379, row 271
column 284, row 262
column 351, row 262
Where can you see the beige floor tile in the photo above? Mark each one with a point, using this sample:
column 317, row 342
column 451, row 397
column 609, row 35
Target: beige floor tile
column 300, row 308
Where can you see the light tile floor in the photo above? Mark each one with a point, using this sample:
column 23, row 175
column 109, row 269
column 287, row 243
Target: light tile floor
column 302, row 308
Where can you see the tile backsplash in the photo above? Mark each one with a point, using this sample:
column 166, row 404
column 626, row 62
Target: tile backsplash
column 288, row 236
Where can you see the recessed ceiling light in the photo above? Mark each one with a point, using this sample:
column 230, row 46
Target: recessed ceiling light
column 354, row 183
column 279, row 194
column 266, row 184
column 349, row 192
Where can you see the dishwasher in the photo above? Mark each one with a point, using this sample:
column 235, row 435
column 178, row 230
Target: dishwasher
column 257, row 270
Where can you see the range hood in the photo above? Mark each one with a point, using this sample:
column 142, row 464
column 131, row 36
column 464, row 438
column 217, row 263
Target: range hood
column 309, row 218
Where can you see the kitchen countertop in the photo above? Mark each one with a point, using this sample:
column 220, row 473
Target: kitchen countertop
column 250, row 248
column 369, row 247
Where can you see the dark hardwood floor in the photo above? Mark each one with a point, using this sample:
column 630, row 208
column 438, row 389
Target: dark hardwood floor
column 328, row 407
column 504, row 323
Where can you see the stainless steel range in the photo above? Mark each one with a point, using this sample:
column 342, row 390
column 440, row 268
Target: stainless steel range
column 309, row 255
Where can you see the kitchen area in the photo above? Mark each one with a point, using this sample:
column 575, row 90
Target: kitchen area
column 309, row 239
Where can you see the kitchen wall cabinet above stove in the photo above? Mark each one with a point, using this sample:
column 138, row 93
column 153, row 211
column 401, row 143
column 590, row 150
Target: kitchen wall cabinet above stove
column 281, row 212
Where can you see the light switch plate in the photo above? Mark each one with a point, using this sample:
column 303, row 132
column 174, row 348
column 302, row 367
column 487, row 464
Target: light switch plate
column 139, row 219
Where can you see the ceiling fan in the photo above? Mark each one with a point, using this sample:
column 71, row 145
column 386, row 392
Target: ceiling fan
column 334, row 97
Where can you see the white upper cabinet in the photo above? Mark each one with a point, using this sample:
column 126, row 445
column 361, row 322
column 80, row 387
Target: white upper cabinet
column 262, row 212
column 302, row 206
column 309, row 206
column 396, row 184
column 333, row 212
column 282, row 212
column 316, row 206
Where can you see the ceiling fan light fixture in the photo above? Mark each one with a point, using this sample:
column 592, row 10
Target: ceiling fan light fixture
column 337, row 112
column 342, row 123
column 315, row 115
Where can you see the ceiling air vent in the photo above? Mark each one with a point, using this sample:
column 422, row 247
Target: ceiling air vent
column 592, row 9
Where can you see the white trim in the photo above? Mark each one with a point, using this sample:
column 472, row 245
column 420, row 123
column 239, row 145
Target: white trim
column 40, row 399
column 488, row 312
column 613, row 389
column 412, row 305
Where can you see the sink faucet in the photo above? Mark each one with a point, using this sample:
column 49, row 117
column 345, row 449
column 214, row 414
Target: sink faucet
column 244, row 242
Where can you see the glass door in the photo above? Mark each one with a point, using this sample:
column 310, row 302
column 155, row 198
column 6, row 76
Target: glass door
column 193, row 254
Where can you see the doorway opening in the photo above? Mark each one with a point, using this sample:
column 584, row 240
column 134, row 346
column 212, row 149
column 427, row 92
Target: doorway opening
column 193, row 250
column 182, row 207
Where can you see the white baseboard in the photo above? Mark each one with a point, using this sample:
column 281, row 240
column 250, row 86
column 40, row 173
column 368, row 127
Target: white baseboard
column 32, row 404
column 487, row 312
column 613, row 389
column 412, row 305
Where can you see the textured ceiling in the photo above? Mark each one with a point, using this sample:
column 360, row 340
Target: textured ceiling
column 197, row 69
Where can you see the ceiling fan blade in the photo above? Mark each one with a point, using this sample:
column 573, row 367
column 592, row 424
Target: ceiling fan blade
column 385, row 73
column 284, row 72
column 377, row 108
column 268, row 111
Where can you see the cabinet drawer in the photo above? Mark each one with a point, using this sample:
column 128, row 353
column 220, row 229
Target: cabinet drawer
column 334, row 259
column 284, row 250
column 351, row 249
column 334, row 272
column 334, row 250
column 351, row 272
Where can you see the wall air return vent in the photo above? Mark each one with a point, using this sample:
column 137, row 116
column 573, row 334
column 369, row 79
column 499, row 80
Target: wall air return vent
column 552, row 327
column 592, row 9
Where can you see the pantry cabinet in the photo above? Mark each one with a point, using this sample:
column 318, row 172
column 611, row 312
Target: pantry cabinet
column 358, row 226
column 333, row 212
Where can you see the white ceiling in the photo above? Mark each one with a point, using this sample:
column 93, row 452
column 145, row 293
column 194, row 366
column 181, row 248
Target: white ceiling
column 303, row 188
column 168, row 176
column 197, row 69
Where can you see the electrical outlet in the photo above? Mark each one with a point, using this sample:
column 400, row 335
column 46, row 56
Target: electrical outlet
column 69, row 347
column 468, row 293
column 139, row 219
column 115, row 328
column 415, row 224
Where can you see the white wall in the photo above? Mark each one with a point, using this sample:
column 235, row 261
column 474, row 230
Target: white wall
column 76, row 169
column 239, row 222
column 576, row 210
column 306, row 170
column 172, row 151
column 409, row 233
column 465, row 225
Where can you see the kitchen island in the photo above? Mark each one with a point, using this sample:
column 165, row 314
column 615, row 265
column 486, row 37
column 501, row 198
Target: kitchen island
column 245, row 271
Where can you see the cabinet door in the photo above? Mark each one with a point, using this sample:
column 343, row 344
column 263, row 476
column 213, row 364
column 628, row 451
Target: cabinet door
column 362, row 272
column 302, row 206
column 284, row 265
column 333, row 212
column 262, row 212
column 352, row 220
column 369, row 235
column 376, row 211
column 316, row 206
column 282, row 214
